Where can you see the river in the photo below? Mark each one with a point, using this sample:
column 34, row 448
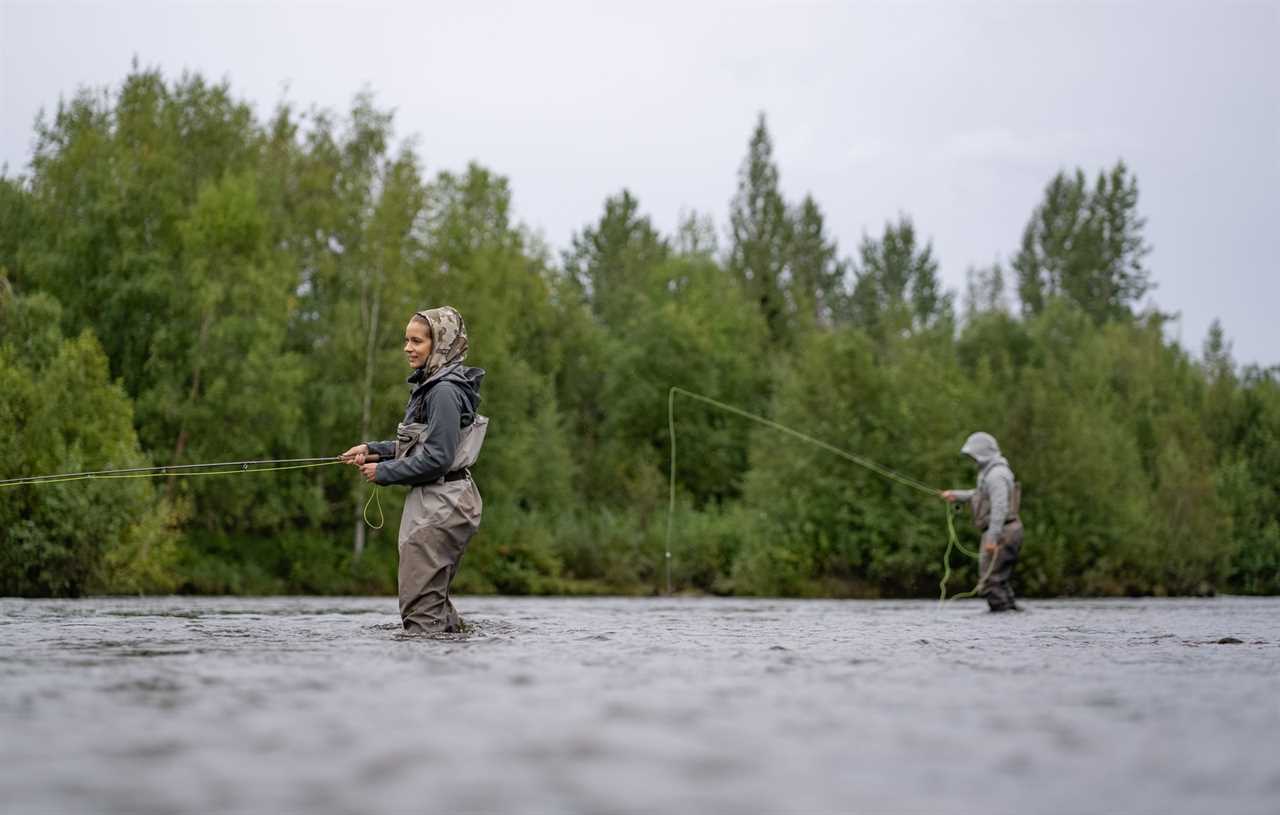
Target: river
column 320, row 705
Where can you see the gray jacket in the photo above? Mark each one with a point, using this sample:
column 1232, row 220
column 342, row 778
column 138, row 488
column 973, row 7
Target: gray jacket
column 997, row 486
column 446, row 402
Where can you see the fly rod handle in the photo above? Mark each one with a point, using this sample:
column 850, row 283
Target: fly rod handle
column 369, row 458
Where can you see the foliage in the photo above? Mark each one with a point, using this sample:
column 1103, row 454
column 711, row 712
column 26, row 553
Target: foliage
column 761, row 231
column 181, row 281
column 897, row 289
column 65, row 414
column 1085, row 244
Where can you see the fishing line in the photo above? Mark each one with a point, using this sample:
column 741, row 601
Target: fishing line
column 191, row 470
column 277, row 465
column 374, row 499
column 176, row 470
column 953, row 540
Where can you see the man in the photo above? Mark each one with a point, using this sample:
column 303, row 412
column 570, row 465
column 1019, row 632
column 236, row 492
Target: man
column 994, row 505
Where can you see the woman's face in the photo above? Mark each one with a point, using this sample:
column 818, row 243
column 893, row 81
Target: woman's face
column 417, row 343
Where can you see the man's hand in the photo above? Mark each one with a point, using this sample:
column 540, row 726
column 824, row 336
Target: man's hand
column 356, row 455
column 949, row 496
column 989, row 544
column 369, row 471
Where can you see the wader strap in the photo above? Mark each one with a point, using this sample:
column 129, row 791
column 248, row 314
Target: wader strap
column 980, row 505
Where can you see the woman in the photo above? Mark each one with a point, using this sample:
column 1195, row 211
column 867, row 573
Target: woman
column 435, row 445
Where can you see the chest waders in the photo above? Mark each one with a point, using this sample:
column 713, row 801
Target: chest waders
column 996, row 568
column 438, row 521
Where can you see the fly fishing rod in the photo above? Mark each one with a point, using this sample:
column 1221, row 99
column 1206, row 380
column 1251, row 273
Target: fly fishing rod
column 177, row 470
column 210, row 468
column 183, row 470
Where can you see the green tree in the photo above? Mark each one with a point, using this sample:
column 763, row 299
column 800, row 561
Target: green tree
column 897, row 287
column 113, row 176
column 817, row 275
column 354, row 219
column 695, row 330
column 1256, row 561
column 84, row 536
column 1159, row 393
column 761, row 233
column 17, row 222
column 150, row 223
column 505, row 295
column 827, row 526
column 1241, row 417
column 696, row 235
column 610, row 260
column 1086, row 245
column 985, row 291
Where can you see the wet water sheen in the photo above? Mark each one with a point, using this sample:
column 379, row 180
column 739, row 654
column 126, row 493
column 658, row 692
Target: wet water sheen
column 318, row 705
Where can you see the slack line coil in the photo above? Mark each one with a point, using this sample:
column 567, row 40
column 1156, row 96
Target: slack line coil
column 953, row 540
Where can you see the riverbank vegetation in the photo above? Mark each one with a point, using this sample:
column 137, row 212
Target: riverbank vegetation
column 183, row 280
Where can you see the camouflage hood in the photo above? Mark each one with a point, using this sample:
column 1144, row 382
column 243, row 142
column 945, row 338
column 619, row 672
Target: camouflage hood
column 448, row 351
column 448, row 339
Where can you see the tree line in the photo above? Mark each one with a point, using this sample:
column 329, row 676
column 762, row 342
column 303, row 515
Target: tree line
column 184, row 281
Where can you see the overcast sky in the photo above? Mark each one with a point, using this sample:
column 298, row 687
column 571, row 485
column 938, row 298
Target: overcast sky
column 956, row 114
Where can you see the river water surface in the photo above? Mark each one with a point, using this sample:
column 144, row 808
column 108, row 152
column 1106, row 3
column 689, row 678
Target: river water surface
column 319, row 705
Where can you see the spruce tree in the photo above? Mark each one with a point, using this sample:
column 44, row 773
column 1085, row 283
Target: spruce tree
column 610, row 259
column 817, row 275
column 760, row 233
